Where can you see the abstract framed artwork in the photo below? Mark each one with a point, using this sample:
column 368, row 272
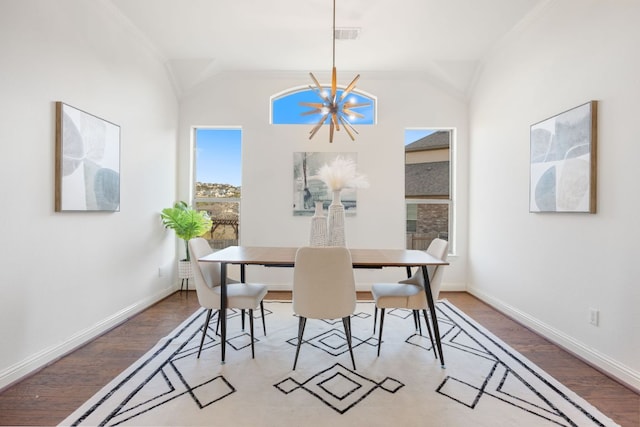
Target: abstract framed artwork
column 563, row 161
column 87, row 162
column 309, row 189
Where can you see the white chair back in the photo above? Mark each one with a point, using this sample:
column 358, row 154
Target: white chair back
column 323, row 283
column 438, row 248
column 205, row 274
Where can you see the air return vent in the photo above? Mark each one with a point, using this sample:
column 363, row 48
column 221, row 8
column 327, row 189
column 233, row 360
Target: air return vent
column 347, row 33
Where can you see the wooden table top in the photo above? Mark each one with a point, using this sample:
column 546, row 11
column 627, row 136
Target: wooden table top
column 285, row 256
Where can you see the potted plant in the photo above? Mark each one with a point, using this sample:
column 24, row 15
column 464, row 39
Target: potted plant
column 187, row 223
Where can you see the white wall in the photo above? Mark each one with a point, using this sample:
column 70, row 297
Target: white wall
column 548, row 270
column 66, row 276
column 239, row 99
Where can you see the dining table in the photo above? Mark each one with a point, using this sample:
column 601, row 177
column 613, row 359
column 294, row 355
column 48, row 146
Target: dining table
column 285, row 257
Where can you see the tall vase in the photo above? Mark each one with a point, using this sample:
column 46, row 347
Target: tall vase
column 318, row 227
column 335, row 222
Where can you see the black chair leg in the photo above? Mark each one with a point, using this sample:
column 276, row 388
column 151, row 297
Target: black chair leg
column 253, row 354
column 416, row 319
column 264, row 325
column 381, row 325
column 426, row 320
column 218, row 322
column 204, row 331
column 346, row 322
column 242, row 317
column 301, row 323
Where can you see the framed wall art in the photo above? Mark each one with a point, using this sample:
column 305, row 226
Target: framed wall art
column 309, row 189
column 87, row 162
column 563, row 161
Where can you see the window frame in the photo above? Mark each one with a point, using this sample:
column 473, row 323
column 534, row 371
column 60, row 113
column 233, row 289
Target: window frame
column 450, row 201
column 193, row 175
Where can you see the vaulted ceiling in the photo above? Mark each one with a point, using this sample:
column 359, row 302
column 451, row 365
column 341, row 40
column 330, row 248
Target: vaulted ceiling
column 446, row 40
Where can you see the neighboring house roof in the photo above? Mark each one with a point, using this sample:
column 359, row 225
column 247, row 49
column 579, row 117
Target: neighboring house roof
column 426, row 179
column 435, row 141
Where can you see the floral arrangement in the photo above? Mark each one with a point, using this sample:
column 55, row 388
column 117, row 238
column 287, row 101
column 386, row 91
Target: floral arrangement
column 341, row 174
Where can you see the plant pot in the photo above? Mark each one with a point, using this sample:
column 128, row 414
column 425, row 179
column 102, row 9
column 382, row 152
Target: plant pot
column 184, row 269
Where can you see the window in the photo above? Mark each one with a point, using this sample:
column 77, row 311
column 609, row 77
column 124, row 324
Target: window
column 286, row 108
column 217, row 182
column 427, row 186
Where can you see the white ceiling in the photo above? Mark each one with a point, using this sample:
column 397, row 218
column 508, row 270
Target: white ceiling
column 445, row 39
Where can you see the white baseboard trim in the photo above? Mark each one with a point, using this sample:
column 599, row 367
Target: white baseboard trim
column 287, row 287
column 39, row 360
column 366, row 286
column 601, row 362
column 279, row 286
column 453, row 287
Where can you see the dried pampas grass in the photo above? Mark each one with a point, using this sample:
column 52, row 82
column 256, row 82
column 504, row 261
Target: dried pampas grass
column 341, row 174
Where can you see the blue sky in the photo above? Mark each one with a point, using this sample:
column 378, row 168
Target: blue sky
column 219, row 156
column 287, row 109
column 412, row 135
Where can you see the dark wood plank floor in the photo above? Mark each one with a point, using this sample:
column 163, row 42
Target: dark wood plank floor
column 50, row 395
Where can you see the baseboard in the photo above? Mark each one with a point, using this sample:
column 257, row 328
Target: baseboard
column 453, row 287
column 366, row 286
column 599, row 361
column 34, row 363
column 360, row 287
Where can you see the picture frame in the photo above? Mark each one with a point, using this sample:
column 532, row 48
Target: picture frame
column 308, row 188
column 563, row 161
column 87, row 163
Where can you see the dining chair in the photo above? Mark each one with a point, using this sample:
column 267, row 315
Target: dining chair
column 323, row 288
column 410, row 293
column 242, row 296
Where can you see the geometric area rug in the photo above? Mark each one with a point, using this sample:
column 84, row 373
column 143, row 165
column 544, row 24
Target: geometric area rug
column 485, row 382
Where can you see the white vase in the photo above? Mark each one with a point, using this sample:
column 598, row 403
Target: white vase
column 318, row 227
column 335, row 222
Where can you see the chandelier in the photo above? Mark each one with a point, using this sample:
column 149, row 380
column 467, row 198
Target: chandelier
column 337, row 109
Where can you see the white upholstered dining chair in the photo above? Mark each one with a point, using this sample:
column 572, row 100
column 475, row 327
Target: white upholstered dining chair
column 242, row 296
column 323, row 288
column 410, row 294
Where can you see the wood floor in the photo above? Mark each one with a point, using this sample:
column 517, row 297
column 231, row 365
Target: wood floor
column 50, row 395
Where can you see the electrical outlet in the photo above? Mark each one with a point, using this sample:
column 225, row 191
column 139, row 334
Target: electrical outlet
column 594, row 316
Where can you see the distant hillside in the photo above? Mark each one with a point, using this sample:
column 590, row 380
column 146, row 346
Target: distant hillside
column 205, row 190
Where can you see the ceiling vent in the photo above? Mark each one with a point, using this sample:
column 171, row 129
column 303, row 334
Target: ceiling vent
column 347, row 33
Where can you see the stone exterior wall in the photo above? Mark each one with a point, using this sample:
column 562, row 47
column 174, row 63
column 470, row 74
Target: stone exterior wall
column 432, row 222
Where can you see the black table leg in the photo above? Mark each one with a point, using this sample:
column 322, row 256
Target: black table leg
column 432, row 309
column 223, row 306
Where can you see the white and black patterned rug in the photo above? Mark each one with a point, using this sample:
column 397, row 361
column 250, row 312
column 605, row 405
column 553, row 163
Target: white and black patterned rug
column 485, row 383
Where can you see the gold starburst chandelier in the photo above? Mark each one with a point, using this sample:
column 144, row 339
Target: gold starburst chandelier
column 337, row 109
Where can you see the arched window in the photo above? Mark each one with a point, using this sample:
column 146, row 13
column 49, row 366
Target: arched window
column 286, row 108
